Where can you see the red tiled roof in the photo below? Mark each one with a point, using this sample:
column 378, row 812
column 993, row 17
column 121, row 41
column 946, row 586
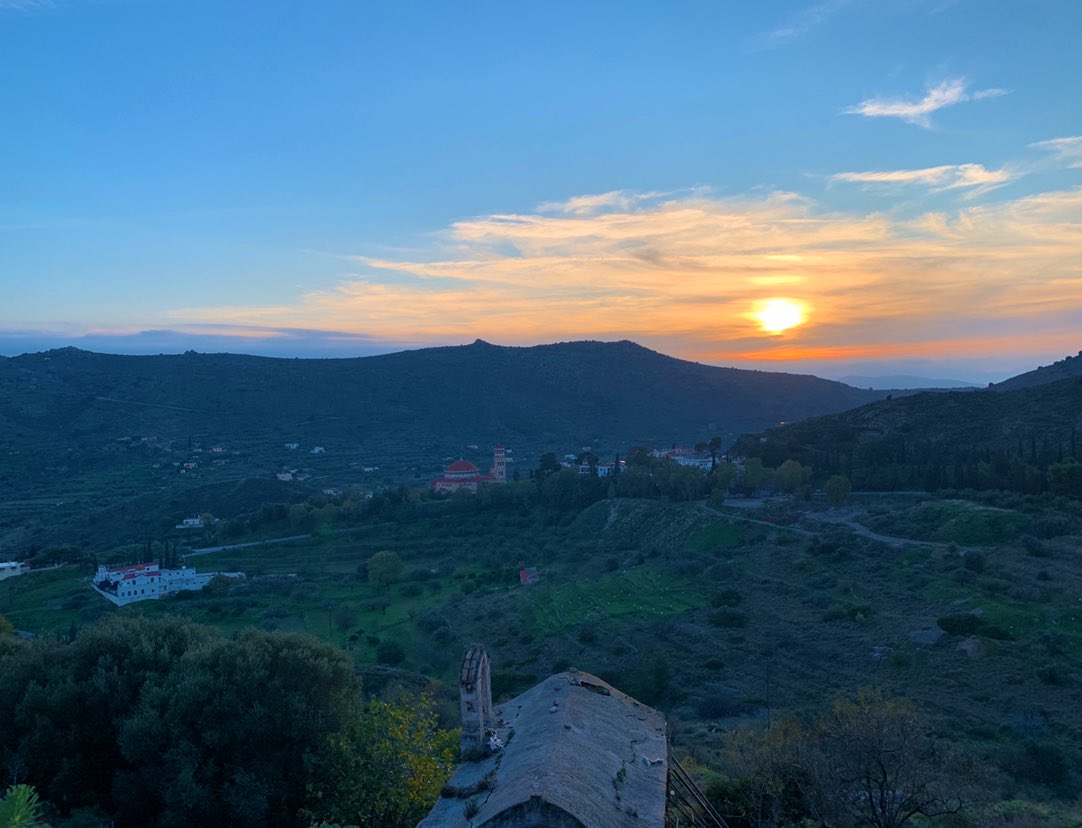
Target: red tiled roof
column 133, row 568
column 461, row 466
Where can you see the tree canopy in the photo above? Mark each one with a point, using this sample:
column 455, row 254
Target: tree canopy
column 168, row 723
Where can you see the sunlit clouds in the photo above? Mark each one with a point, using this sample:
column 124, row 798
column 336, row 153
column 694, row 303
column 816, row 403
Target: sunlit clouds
column 1067, row 150
column 972, row 177
column 692, row 275
column 946, row 93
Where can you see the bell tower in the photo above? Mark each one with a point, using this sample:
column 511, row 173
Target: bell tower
column 499, row 465
column 475, row 700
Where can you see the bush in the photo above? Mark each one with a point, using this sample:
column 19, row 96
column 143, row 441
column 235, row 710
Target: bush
column 717, row 705
column 1034, row 546
column 1051, row 675
column 726, row 598
column 854, row 612
column 1040, row 762
column 965, row 623
column 961, row 624
column 390, row 653
column 974, row 561
column 588, row 634
column 727, row 618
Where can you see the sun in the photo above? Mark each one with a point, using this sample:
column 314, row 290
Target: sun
column 777, row 315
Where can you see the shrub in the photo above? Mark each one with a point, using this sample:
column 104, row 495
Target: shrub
column 390, row 653
column 965, row 623
column 974, row 561
column 726, row 598
column 727, row 618
column 717, row 705
column 961, row 624
column 1040, row 762
column 1051, row 675
column 854, row 612
column 1034, row 546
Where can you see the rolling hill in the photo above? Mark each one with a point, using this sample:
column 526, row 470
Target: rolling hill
column 82, row 432
column 976, row 439
column 1066, row 368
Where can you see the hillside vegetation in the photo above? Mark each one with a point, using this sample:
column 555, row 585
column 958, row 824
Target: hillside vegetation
column 982, row 440
column 1067, row 368
column 722, row 621
column 85, row 436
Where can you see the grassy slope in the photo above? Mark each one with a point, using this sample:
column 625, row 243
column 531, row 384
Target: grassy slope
column 625, row 583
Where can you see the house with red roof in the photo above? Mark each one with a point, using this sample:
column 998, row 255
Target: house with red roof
column 149, row 582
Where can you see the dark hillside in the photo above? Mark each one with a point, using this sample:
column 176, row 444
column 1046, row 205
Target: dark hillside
column 1066, row 368
column 81, row 432
column 982, row 439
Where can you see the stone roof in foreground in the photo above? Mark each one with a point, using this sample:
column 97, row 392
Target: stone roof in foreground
column 578, row 752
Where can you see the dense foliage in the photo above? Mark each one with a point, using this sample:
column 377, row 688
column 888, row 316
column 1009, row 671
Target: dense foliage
column 1025, row 441
column 169, row 723
column 871, row 760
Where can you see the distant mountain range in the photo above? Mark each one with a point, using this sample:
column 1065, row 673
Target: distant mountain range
column 413, row 403
column 84, row 435
column 894, row 381
column 87, row 439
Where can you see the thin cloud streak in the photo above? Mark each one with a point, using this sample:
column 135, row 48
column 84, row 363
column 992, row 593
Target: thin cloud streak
column 800, row 24
column 973, row 177
column 1067, row 150
column 691, row 271
column 949, row 92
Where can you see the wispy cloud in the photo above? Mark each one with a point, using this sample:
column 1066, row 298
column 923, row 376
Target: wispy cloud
column 975, row 178
column 946, row 93
column 800, row 24
column 26, row 5
column 685, row 275
column 586, row 205
column 1068, row 150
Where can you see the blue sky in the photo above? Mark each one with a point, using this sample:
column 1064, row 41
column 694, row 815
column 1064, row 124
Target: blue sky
column 339, row 178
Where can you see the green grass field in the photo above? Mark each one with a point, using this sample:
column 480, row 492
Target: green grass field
column 741, row 617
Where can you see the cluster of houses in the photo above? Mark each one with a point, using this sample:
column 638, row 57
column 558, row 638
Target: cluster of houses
column 149, row 582
column 462, row 475
column 313, row 450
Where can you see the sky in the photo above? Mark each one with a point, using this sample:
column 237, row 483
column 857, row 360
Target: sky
column 835, row 187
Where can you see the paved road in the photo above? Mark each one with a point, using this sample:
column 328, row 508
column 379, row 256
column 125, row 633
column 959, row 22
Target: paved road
column 207, row 550
column 838, row 518
column 742, row 519
column 847, row 521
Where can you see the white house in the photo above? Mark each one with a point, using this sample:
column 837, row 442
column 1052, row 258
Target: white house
column 602, row 469
column 147, row 581
column 191, row 523
column 9, row 569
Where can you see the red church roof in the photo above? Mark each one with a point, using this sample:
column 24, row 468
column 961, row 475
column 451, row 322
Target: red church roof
column 461, row 466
